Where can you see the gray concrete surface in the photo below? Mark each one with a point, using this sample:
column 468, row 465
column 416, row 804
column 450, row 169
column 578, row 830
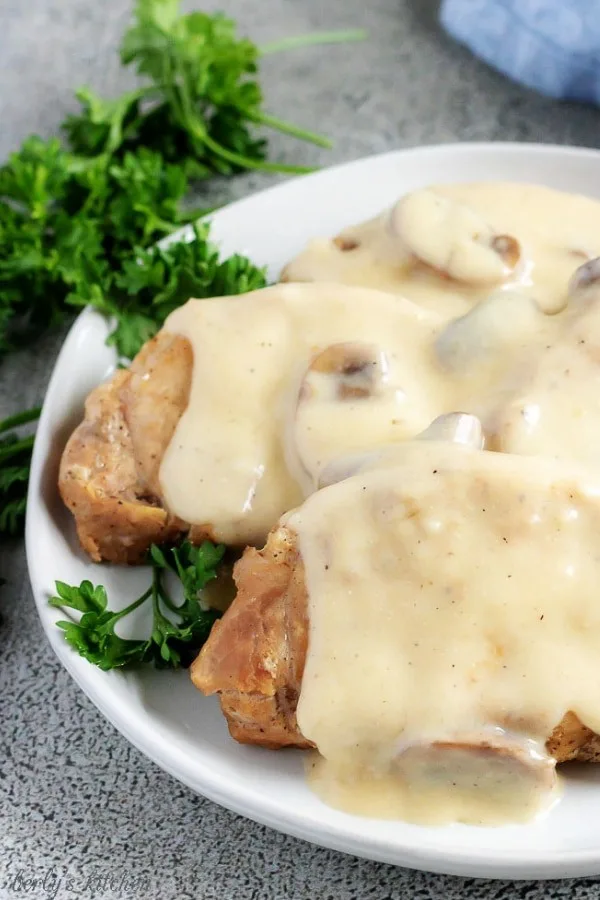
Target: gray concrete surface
column 74, row 796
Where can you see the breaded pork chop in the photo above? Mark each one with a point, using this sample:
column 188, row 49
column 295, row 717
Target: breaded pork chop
column 109, row 470
column 254, row 658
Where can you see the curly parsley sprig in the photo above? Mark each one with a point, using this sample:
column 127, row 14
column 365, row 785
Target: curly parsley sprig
column 97, row 247
column 75, row 220
column 145, row 289
column 178, row 629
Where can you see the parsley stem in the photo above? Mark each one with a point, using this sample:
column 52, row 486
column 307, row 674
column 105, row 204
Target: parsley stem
column 292, row 130
column 308, row 40
column 185, row 111
column 29, row 415
column 248, row 163
column 10, row 450
column 166, row 599
column 134, row 605
column 157, row 594
column 181, row 575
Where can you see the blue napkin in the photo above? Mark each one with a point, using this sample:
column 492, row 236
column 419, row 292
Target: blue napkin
column 552, row 46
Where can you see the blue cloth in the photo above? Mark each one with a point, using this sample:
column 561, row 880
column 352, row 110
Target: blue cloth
column 552, row 46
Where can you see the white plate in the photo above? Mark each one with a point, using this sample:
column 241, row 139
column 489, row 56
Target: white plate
column 161, row 713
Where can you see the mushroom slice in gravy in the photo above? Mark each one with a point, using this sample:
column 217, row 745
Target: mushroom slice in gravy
column 447, row 246
column 351, row 397
column 280, row 386
column 586, row 276
column 453, row 239
column 502, row 325
column 552, row 404
column 435, row 637
column 456, row 427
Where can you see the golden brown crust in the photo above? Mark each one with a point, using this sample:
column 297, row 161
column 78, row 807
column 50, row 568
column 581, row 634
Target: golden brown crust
column 153, row 399
column 572, row 740
column 108, row 475
column 254, row 658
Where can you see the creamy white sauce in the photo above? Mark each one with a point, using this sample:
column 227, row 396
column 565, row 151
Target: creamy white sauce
column 395, row 252
column 233, row 461
column 432, row 620
column 289, row 379
column 436, row 636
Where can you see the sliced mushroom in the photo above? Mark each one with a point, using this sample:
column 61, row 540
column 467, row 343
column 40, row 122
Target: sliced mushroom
column 457, row 428
column 345, row 244
column 454, row 239
column 508, row 249
column 504, row 321
column 352, row 371
column 344, row 404
column 587, row 275
column 498, row 777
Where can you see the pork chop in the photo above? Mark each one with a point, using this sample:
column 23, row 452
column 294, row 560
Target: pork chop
column 254, row 658
column 109, row 470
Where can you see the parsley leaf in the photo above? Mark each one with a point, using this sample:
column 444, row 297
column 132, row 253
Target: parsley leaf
column 142, row 292
column 204, row 78
column 78, row 222
column 178, row 629
column 15, row 461
column 75, row 220
column 103, row 125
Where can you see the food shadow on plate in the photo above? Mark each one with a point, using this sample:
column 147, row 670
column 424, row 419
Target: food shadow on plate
column 577, row 773
column 190, row 715
column 197, row 722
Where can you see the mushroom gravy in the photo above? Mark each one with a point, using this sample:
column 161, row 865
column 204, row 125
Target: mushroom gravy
column 454, row 619
column 463, row 321
column 447, row 247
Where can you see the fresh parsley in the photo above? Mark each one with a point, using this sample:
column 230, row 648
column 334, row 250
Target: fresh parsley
column 178, row 629
column 97, row 246
column 79, row 223
column 76, row 220
column 200, row 100
column 15, row 461
column 145, row 289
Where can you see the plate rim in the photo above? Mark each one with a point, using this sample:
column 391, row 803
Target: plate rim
column 473, row 862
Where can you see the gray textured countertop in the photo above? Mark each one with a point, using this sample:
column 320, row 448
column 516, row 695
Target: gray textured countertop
column 75, row 797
